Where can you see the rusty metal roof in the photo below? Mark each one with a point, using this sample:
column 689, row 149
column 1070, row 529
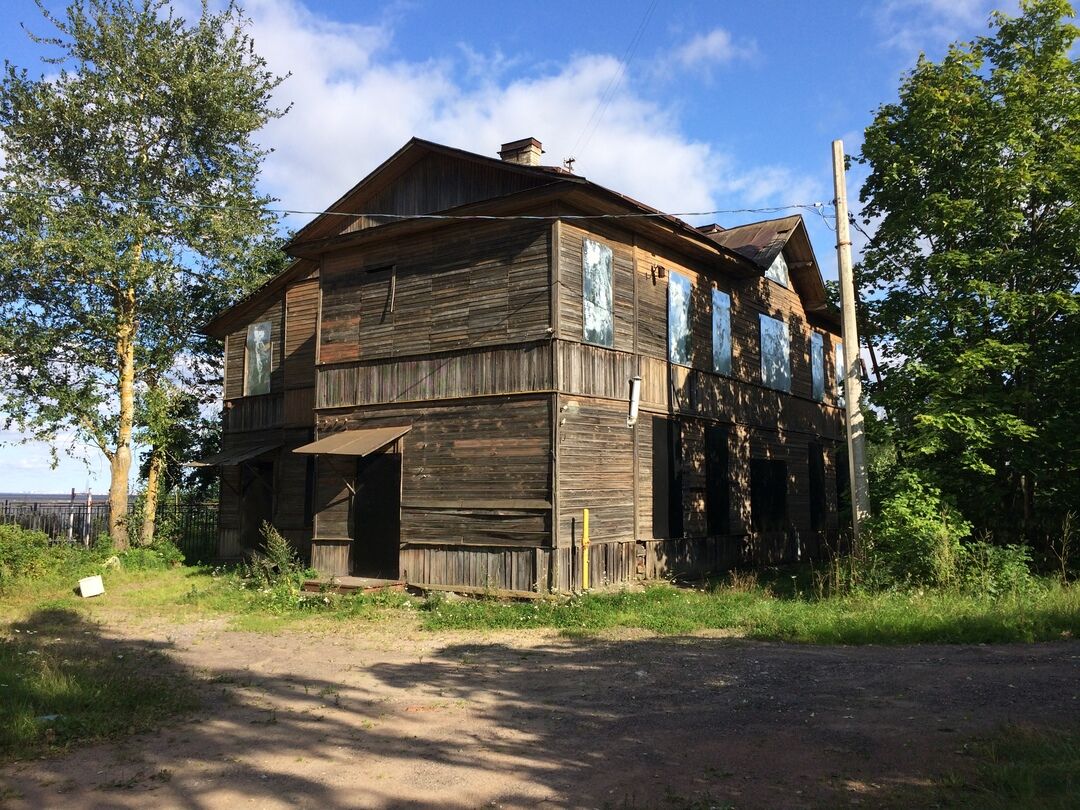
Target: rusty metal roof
column 760, row 242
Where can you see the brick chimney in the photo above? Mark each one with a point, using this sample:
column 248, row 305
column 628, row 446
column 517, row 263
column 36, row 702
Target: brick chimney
column 527, row 152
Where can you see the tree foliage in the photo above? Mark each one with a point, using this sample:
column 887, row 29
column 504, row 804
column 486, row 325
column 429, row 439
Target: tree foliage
column 975, row 266
column 129, row 213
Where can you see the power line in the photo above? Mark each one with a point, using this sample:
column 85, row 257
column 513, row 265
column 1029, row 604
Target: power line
column 613, row 84
column 815, row 206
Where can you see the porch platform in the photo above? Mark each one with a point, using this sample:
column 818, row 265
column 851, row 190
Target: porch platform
column 352, row 584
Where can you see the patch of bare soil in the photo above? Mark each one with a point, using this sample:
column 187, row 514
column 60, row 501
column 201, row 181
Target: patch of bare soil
column 377, row 718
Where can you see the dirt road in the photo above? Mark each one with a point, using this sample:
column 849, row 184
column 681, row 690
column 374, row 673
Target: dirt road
column 394, row 718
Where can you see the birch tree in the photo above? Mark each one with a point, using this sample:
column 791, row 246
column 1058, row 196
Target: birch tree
column 129, row 212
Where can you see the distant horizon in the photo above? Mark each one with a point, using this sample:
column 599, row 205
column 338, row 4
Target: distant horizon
column 50, row 496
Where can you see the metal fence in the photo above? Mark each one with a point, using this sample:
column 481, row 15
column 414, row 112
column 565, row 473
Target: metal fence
column 193, row 525
column 75, row 522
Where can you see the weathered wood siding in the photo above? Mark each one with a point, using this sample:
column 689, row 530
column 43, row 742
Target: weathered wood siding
column 286, row 414
column 474, row 474
column 433, row 183
column 301, row 317
column 468, row 373
column 640, row 292
column 596, row 472
column 486, row 285
column 236, row 341
column 610, row 469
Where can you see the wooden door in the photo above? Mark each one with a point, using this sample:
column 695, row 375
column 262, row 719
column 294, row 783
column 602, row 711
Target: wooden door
column 377, row 516
column 256, row 501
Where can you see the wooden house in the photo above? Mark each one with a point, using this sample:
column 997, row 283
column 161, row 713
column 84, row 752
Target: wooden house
column 441, row 384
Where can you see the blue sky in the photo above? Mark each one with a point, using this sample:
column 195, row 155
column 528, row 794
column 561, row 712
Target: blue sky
column 720, row 105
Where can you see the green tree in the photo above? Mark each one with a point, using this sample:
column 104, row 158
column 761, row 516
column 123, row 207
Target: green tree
column 974, row 269
column 129, row 213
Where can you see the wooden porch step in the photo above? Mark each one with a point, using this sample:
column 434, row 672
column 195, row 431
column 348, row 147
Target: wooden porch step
column 351, row 585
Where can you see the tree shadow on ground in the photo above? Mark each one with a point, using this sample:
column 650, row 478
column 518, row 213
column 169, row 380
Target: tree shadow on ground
column 347, row 721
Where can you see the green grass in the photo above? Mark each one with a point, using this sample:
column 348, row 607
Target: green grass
column 889, row 618
column 1024, row 768
column 1016, row 768
column 64, row 683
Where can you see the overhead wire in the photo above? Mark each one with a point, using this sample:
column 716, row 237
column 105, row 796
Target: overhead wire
column 613, row 84
column 814, row 206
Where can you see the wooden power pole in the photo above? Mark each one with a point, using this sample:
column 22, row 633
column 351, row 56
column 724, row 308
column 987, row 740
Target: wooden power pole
column 856, row 432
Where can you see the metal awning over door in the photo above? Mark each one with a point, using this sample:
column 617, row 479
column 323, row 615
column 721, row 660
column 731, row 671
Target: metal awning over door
column 235, row 456
column 359, row 442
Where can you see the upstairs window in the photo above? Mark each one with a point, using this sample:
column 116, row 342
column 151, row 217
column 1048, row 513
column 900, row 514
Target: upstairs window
column 679, row 291
column 597, row 318
column 778, row 270
column 257, row 358
column 775, row 354
column 817, row 365
column 721, row 332
column 840, row 374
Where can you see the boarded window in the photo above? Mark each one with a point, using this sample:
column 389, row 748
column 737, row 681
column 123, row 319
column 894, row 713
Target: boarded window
column 817, row 365
column 817, row 486
column 721, row 332
column 775, row 354
column 667, row 513
column 679, row 292
column 597, row 318
column 257, row 358
column 778, row 271
column 840, row 373
column 768, row 495
column 717, row 482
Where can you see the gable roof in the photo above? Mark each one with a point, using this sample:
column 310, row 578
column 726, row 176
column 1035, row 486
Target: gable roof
column 503, row 177
column 506, row 188
column 761, row 242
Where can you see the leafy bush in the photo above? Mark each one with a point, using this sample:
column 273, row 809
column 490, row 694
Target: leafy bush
column 994, row 570
column 914, row 539
column 24, row 553
column 161, row 554
column 277, row 563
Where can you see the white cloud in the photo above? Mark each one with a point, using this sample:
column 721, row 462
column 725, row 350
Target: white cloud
column 925, row 25
column 355, row 103
column 717, row 47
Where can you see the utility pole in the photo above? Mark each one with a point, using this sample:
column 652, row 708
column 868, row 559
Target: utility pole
column 856, row 432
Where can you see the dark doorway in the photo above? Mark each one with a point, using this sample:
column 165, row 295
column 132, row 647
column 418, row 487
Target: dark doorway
column 817, row 486
column 377, row 516
column 667, row 506
column 717, row 482
column 256, row 501
column 768, row 495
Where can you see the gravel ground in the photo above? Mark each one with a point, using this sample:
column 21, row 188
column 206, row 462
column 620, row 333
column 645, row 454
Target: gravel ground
column 391, row 717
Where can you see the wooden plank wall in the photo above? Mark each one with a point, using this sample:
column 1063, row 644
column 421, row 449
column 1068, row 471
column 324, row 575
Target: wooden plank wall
column 301, row 316
column 468, row 373
column 475, row 475
column 435, row 183
column 486, row 286
column 571, row 281
column 596, row 471
column 286, row 414
column 259, row 413
column 761, row 422
column 236, row 342
column 493, row 569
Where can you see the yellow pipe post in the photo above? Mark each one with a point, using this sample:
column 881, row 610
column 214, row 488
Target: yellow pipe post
column 585, row 550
